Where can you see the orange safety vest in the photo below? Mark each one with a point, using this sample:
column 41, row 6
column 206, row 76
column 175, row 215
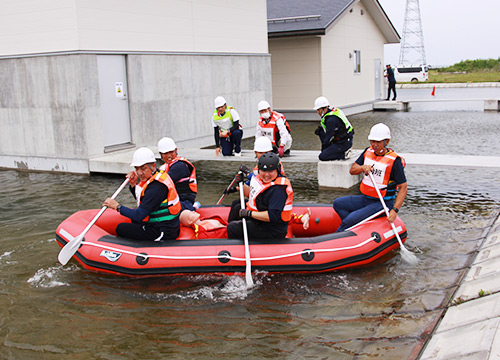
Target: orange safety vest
column 170, row 207
column 257, row 187
column 214, row 227
column 271, row 129
column 382, row 167
column 190, row 181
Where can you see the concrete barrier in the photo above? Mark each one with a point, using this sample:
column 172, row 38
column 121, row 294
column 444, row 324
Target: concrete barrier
column 335, row 174
column 491, row 105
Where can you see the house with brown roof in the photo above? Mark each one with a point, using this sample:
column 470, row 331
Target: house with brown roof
column 333, row 48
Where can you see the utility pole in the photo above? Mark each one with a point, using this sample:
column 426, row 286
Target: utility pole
column 412, row 43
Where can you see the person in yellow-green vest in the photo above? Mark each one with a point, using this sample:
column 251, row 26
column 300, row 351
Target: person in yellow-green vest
column 227, row 129
column 156, row 217
column 335, row 131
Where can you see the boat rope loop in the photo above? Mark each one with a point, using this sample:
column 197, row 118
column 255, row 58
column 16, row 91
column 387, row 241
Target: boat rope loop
column 227, row 256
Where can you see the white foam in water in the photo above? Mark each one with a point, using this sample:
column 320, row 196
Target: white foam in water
column 5, row 254
column 46, row 278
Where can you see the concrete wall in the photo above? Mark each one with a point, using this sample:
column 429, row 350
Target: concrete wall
column 172, row 95
column 50, row 111
column 305, row 68
column 29, row 26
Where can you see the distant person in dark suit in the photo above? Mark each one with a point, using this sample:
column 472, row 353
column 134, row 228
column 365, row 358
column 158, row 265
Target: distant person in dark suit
column 392, row 82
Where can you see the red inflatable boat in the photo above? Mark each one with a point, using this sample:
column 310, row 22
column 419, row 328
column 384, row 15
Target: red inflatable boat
column 316, row 249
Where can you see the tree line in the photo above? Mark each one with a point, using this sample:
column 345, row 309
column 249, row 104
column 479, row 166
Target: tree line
column 479, row 65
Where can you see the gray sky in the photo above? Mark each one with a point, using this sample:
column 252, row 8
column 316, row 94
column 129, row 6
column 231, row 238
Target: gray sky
column 454, row 30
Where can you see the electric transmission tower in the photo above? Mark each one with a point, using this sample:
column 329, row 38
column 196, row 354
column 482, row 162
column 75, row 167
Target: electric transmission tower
column 412, row 43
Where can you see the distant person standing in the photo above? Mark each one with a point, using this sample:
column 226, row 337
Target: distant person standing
column 335, row 131
column 392, row 82
column 227, row 129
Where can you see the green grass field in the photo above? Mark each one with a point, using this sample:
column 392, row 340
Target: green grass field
column 476, row 76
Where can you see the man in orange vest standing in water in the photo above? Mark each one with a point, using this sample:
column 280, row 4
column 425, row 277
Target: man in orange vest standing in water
column 387, row 168
column 157, row 214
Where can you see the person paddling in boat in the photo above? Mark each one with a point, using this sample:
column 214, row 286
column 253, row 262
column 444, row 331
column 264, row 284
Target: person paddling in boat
column 387, row 168
column 181, row 171
column 157, row 214
column 269, row 206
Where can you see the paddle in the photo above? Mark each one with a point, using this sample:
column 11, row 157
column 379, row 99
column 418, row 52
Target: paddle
column 248, row 270
column 244, row 169
column 72, row 246
column 406, row 254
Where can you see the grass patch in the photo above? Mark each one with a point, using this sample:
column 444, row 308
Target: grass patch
column 476, row 76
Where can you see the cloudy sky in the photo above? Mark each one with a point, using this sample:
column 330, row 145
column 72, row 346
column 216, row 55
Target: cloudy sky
column 454, row 30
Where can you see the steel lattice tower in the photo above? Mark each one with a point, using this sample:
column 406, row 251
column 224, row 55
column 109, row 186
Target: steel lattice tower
column 412, row 42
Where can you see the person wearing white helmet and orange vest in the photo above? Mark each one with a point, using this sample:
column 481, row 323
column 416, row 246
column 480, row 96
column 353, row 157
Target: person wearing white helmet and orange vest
column 335, row 131
column 181, row 171
column 274, row 126
column 387, row 168
column 156, row 217
column 227, row 129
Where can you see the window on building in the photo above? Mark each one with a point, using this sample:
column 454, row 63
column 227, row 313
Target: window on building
column 357, row 61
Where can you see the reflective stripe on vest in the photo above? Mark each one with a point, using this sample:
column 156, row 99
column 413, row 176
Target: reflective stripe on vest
column 382, row 167
column 257, row 187
column 170, row 207
column 188, row 184
column 224, row 122
column 339, row 113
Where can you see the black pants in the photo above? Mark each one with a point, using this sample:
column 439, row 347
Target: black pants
column 392, row 86
column 255, row 229
column 144, row 232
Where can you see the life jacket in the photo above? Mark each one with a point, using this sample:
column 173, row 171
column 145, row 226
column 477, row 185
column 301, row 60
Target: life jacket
column 344, row 132
column 224, row 122
column 270, row 129
column 187, row 184
column 382, row 167
column 214, row 227
column 170, row 207
column 257, row 187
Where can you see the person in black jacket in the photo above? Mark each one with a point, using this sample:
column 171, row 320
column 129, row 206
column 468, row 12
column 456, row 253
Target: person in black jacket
column 392, row 82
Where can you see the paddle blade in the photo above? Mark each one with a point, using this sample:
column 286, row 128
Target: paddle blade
column 69, row 249
column 408, row 256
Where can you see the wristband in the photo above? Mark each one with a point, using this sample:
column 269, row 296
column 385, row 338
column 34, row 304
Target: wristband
column 395, row 209
column 118, row 208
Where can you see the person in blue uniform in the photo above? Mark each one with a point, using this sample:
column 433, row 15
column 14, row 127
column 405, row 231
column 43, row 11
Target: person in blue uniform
column 156, row 217
column 389, row 74
column 335, row 131
column 387, row 168
column 181, row 171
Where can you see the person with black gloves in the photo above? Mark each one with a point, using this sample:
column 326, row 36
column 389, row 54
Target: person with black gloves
column 335, row 131
column 269, row 206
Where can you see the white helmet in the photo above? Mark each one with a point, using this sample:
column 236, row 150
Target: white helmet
column 263, row 105
column 379, row 132
column 143, row 156
column 263, row 144
column 219, row 101
column 166, row 144
column 321, row 102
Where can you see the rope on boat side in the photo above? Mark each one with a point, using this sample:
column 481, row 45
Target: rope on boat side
column 199, row 257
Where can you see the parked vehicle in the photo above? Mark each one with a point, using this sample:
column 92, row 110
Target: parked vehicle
column 411, row 73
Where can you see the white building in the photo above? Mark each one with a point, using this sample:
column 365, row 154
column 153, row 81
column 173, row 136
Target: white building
column 333, row 48
column 83, row 77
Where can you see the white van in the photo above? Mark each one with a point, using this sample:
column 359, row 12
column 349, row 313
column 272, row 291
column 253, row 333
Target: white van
column 413, row 74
